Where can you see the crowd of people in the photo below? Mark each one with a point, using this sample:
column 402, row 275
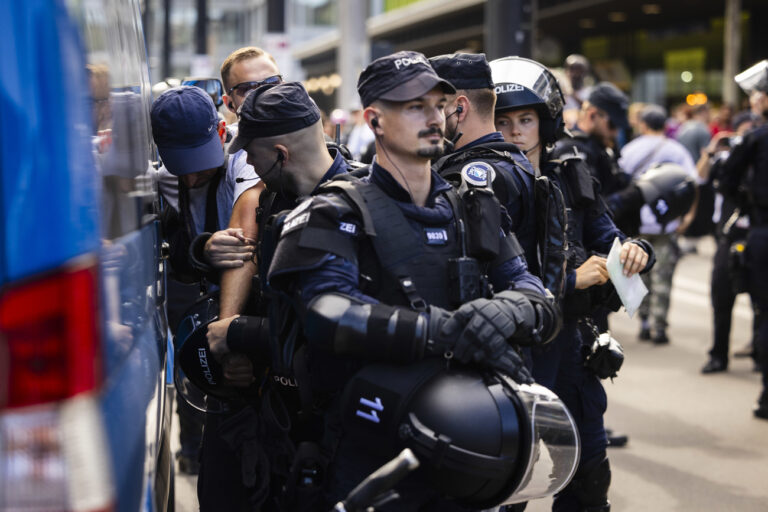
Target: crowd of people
column 456, row 239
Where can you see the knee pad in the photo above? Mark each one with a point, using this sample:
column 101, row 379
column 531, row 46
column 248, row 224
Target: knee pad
column 591, row 483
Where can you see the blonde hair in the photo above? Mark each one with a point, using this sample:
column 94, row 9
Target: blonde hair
column 239, row 55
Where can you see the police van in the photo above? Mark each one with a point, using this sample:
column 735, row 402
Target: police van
column 85, row 397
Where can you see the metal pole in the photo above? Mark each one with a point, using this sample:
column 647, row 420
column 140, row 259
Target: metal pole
column 732, row 45
column 507, row 28
column 353, row 52
column 201, row 28
column 166, row 54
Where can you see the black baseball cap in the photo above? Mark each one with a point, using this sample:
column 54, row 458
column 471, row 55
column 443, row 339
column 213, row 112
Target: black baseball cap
column 608, row 97
column 654, row 116
column 274, row 109
column 464, row 70
column 402, row 76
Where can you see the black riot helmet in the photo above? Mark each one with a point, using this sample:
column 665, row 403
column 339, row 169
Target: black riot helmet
column 524, row 83
column 668, row 190
column 481, row 439
column 198, row 376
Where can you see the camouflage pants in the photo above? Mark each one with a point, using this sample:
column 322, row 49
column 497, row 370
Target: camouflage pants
column 659, row 280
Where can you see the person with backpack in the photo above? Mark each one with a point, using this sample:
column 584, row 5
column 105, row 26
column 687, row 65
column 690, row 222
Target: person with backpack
column 637, row 157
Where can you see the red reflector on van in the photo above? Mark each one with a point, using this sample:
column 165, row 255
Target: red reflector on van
column 49, row 338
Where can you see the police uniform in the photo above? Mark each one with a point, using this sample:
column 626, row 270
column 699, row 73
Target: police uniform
column 524, row 195
column 750, row 190
column 560, row 366
column 370, row 273
column 247, row 452
column 602, row 160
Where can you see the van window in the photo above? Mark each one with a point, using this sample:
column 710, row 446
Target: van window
column 120, row 98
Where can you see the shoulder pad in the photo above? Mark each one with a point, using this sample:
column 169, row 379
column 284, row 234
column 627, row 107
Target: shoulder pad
column 568, row 148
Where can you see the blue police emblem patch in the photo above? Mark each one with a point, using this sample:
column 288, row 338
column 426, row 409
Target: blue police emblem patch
column 436, row 236
column 478, row 174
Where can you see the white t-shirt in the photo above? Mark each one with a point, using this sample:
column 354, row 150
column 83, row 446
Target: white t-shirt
column 226, row 196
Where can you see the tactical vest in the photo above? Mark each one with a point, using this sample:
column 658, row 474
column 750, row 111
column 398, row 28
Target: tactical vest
column 582, row 200
column 549, row 222
column 411, row 267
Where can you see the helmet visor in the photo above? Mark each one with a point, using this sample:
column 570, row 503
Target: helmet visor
column 555, row 447
column 531, row 75
column 754, row 78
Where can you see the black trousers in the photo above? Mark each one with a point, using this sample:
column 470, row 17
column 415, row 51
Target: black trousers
column 757, row 256
column 723, row 299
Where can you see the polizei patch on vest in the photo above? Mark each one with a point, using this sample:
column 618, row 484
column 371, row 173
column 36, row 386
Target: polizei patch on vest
column 477, row 174
column 436, row 236
column 297, row 218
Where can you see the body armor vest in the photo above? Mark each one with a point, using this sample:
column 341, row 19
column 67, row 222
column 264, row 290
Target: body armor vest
column 409, row 267
column 542, row 235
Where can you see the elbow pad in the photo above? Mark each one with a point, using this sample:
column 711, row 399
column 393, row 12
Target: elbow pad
column 376, row 332
column 249, row 335
column 539, row 319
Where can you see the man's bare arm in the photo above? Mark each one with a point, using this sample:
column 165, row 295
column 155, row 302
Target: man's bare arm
column 236, row 282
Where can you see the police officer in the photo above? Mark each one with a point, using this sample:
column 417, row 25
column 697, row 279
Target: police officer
column 750, row 191
column 281, row 131
column 602, row 115
column 529, row 112
column 478, row 146
column 368, row 262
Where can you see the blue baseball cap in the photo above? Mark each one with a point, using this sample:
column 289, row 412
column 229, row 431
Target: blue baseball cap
column 185, row 129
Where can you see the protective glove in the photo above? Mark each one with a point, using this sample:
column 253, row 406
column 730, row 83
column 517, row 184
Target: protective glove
column 477, row 333
column 538, row 319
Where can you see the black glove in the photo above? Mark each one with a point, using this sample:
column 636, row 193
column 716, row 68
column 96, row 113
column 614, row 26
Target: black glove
column 477, row 333
column 537, row 318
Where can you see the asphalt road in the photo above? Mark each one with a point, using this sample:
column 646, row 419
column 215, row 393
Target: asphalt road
column 694, row 444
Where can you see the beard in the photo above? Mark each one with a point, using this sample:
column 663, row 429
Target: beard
column 436, row 150
column 433, row 152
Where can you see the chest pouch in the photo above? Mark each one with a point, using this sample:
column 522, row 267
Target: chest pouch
column 580, row 184
column 464, row 274
column 483, row 214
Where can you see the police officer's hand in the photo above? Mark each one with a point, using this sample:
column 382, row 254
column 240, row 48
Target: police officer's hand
column 229, row 248
column 217, row 337
column 477, row 333
column 592, row 272
column 633, row 257
column 238, row 369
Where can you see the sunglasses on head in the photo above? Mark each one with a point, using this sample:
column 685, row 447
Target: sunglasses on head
column 244, row 87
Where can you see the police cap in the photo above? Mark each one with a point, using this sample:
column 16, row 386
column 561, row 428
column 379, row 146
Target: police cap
column 402, row 76
column 464, row 70
column 608, row 97
column 274, row 109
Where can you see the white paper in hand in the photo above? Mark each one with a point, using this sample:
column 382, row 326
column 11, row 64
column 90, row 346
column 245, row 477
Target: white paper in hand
column 631, row 290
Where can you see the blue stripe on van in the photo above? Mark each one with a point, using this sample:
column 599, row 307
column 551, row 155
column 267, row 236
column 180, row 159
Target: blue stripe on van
column 49, row 186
